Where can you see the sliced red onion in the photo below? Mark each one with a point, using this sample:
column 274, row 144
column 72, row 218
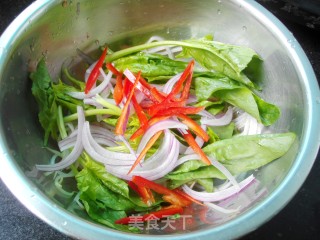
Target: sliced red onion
column 161, row 125
column 221, row 209
column 127, row 144
column 132, row 79
column 213, row 121
column 70, row 142
column 88, row 71
column 218, row 195
column 214, row 162
column 170, row 83
column 244, row 198
column 70, row 126
column 101, row 154
column 91, row 101
column 159, row 50
column 242, row 201
column 187, row 158
column 96, row 90
column 155, row 39
column 247, row 124
column 158, row 165
column 224, row 171
column 76, row 151
column 97, row 132
column 224, row 185
column 192, row 99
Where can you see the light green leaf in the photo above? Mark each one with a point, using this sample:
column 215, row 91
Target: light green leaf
column 244, row 153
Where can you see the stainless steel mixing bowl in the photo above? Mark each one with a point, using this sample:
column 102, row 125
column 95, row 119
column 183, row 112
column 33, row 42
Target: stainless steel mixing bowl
column 55, row 29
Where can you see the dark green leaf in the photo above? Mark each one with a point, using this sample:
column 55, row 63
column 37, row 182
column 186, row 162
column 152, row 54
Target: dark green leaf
column 228, row 59
column 105, row 216
column 45, row 97
column 61, row 91
column 237, row 95
column 115, row 184
column 98, row 192
column 152, row 66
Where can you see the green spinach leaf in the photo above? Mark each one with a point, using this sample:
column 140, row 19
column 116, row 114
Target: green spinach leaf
column 244, row 153
column 237, row 95
column 152, row 66
column 45, row 97
column 228, row 59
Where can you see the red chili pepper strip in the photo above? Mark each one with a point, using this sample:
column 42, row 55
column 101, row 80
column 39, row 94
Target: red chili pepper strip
column 188, row 196
column 145, row 91
column 164, row 212
column 186, row 89
column 126, row 87
column 140, row 131
column 95, row 72
column 158, row 96
column 169, row 195
column 145, row 150
column 194, row 145
column 121, row 121
column 134, row 187
column 145, row 83
column 145, row 193
column 151, row 197
column 177, row 87
column 161, row 106
column 194, row 127
column 118, row 90
column 173, row 111
column 177, row 199
column 139, row 111
column 112, row 69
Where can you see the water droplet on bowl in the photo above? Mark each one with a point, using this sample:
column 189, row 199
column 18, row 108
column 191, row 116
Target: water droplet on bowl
column 219, row 11
column 244, row 28
column 64, row 223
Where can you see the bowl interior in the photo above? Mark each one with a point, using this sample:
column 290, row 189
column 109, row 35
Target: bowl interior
column 58, row 28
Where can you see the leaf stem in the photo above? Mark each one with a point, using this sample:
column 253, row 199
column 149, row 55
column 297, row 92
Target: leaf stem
column 91, row 112
column 128, row 51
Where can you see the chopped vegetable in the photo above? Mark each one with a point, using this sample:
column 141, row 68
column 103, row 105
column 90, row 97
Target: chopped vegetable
column 95, row 72
column 172, row 127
